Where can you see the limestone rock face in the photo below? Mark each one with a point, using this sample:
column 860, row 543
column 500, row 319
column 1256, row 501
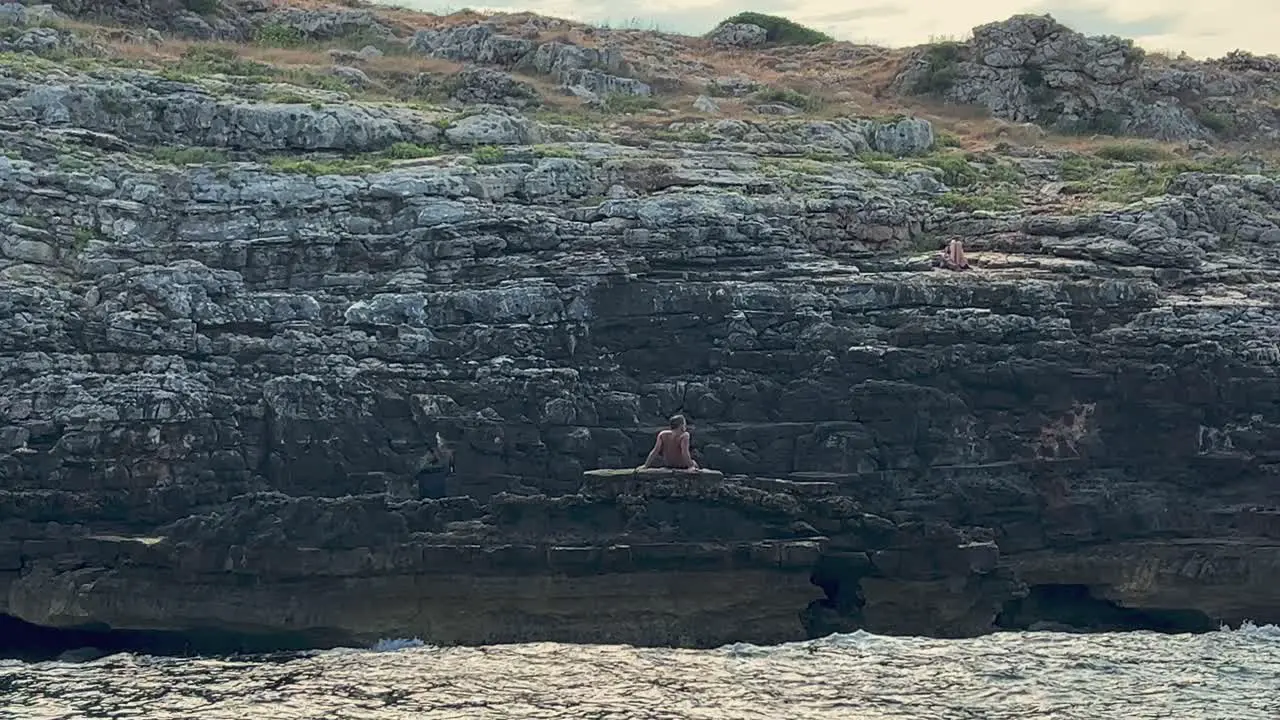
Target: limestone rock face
column 329, row 24
column 1031, row 68
column 493, row 129
column 743, row 35
column 344, row 371
column 152, row 110
column 219, row 19
column 481, row 85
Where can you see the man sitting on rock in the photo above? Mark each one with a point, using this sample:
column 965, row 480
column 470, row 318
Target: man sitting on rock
column 952, row 256
column 671, row 449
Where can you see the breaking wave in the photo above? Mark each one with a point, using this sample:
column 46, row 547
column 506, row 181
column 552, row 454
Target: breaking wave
column 1231, row 673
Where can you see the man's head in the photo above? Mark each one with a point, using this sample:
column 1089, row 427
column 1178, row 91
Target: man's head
column 677, row 422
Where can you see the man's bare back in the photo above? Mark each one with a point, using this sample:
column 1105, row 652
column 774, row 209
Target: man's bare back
column 671, row 448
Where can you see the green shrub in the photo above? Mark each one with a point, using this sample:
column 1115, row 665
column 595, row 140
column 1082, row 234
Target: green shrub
column 622, row 103
column 780, row 30
column 1038, row 90
column 278, row 35
column 201, row 7
column 1217, row 122
column 1132, row 151
column 945, row 139
column 488, row 154
column 1080, row 168
column 410, row 151
column 956, row 169
column 189, row 155
column 200, row 60
column 82, row 236
column 942, row 61
column 787, row 96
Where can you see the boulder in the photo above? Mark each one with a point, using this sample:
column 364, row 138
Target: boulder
column 738, row 35
column 480, row 85
column 493, row 128
column 479, row 43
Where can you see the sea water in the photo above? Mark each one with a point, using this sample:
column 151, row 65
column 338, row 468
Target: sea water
column 1229, row 674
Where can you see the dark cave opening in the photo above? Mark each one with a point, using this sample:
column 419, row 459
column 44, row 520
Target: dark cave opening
column 25, row 641
column 1075, row 608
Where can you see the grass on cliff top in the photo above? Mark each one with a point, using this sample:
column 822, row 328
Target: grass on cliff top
column 780, row 30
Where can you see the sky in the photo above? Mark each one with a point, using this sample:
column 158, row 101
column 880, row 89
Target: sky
column 1202, row 29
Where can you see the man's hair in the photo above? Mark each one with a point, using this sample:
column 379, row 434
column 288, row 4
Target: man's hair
column 675, row 421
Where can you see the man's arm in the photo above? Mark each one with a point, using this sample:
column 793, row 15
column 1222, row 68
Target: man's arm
column 686, row 454
column 654, row 453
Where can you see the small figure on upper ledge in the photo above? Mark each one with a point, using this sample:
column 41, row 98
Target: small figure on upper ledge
column 671, row 449
column 434, row 471
column 952, row 256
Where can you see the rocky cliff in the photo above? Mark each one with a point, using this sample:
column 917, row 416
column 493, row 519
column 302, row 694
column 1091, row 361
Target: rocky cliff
column 256, row 299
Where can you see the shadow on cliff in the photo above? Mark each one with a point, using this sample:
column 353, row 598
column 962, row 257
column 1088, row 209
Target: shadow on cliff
column 35, row 643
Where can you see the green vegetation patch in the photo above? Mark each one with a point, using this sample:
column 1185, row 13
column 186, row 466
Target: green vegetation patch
column 787, row 96
column 990, row 200
column 553, row 151
column 1082, row 168
column 1133, row 151
column 956, row 169
column 941, row 69
column 219, row 60
column 488, row 154
column 81, row 237
column 620, row 103
column 201, row 7
column 410, row 151
column 189, row 155
column 1092, row 176
column 944, row 139
column 780, row 30
column 279, row 35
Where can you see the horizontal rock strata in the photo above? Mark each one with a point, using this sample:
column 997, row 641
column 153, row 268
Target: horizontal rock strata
column 335, row 370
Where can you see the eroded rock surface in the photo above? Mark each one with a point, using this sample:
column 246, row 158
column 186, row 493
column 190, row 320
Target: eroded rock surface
column 353, row 394
column 1032, row 68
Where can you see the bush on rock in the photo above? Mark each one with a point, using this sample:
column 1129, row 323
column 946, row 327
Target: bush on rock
column 781, row 31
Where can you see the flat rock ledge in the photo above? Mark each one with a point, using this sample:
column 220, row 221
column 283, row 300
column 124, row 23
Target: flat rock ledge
column 642, row 482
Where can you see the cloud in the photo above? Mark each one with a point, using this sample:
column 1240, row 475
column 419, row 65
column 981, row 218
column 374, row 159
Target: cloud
column 872, row 11
column 1101, row 20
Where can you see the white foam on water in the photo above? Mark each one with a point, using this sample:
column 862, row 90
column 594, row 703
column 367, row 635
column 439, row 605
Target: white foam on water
column 1255, row 632
column 395, row 644
column 856, row 640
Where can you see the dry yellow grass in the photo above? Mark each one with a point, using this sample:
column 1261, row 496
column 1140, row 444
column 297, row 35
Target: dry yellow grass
column 846, row 78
